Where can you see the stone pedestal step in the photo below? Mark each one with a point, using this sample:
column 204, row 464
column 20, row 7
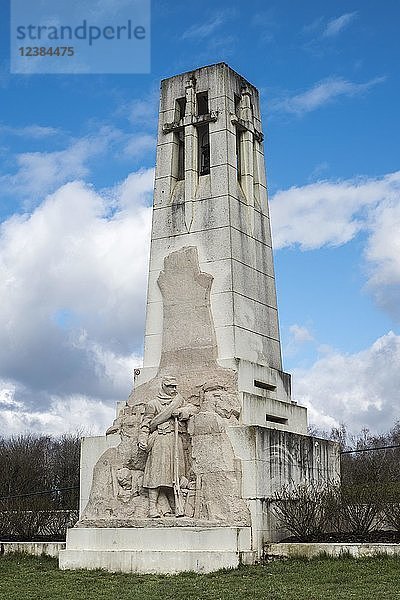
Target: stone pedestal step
column 158, row 549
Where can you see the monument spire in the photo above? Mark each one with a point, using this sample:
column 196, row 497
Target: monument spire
column 210, row 193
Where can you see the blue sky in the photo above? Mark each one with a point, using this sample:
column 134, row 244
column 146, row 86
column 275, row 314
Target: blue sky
column 77, row 154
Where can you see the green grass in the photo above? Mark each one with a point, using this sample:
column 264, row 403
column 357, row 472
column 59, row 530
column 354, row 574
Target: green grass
column 30, row 578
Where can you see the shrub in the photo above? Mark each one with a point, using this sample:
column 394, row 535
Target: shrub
column 361, row 508
column 306, row 510
column 311, row 510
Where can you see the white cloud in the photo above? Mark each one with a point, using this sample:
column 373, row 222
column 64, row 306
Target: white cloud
column 63, row 415
column 7, row 395
column 73, row 285
column 206, row 29
column 143, row 112
column 360, row 390
column 327, row 213
column 383, row 254
column 267, row 24
column 383, row 248
column 136, row 188
column 30, row 131
column 322, row 93
column 38, row 173
column 140, row 144
column 300, row 334
column 335, row 26
column 107, row 364
column 318, row 170
column 333, row 213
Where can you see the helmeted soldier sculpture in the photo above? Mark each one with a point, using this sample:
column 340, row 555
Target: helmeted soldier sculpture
column 161, row 430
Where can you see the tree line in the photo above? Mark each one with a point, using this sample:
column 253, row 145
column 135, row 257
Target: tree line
column 39, row 485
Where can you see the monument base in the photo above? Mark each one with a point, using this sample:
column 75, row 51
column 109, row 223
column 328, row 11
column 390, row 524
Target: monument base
column 158, row 549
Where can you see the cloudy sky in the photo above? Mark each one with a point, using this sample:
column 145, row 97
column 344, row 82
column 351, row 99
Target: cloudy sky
column 77, row 159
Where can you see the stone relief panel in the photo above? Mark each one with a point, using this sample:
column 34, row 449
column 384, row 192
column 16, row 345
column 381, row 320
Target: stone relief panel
column 175, row 464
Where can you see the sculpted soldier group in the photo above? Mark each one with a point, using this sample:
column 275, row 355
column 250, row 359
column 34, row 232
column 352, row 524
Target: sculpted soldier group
column 174, row 459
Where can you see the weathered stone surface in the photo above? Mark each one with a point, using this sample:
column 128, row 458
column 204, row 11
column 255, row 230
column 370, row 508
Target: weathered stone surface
column 335, row 549
column 209, row 432
column 224, row 213
column 175, row 456
column 157, row 549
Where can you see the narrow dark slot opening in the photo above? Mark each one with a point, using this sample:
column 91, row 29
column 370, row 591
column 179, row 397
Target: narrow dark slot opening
column 238, row 155
column 237, row 105
column 180, row 138
column 274, row 419
column 204, row 149
column 265, row 386
column 202, row 103
column 180, row 109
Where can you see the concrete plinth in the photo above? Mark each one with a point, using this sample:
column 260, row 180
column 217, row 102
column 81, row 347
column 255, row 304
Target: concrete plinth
column 157, row 549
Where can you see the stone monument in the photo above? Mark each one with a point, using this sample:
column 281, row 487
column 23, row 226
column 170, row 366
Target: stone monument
column 185, row 476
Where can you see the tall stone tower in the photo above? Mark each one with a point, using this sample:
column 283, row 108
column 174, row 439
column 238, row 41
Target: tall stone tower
column 185, row 477
column 210, row 192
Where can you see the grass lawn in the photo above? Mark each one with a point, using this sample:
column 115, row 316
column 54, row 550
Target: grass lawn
column 30, row 578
